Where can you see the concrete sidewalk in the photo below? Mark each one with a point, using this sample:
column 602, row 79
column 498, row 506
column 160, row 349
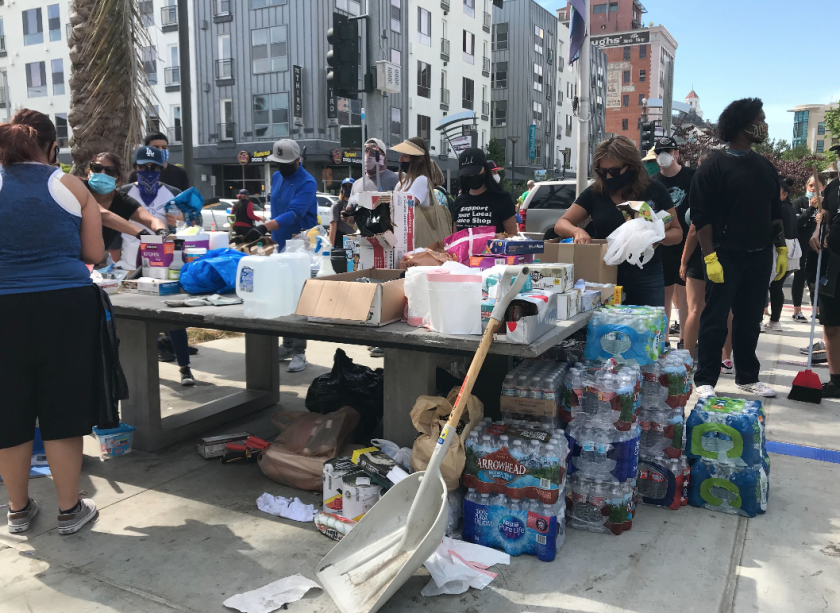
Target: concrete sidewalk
column 180, row 533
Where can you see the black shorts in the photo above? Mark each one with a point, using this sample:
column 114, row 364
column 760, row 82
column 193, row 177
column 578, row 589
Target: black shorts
column 696, row 268
column 671, row 265
column 49, row 364
column 829, row 310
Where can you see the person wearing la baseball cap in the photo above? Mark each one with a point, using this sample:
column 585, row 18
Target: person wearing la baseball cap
column 482, row 201
column 295, row 207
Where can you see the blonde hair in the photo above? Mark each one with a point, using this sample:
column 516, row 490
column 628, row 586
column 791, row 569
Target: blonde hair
column 624, row 150
column 437, row 175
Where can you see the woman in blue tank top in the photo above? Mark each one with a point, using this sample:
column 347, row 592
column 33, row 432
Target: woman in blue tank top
column 49, row 319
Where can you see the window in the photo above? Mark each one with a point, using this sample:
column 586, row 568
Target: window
column 424, row 125
column 538, row 77
column 821, row 128
column 499, row 113
column 613, row 7
column 349, row 112
column 500, row 76
column 33, row 29
column 224, row 46
column 271, row 115
column 424, row 80
column 625, row 124
column 626, row 76
column 469, row 8
column 626, row 53
column 568, row 125
column 54, row 22
column 396, row 125
column 537, row 153
column 269, row 50
column 469, row 47
column 148, row 55
column 153, row 118
column 625, row 100
column 539, row 39
column 36, row 80
column 468, row 93
column 354, row 7
column 57, row 66
column 643, row 75
column 538, row 113
column 599, row 8
column 258, row 4
column 175, row 130
column 396, row 15
column 820, row 146
column 500, row 36
column 62, row 130
column 642, row 51
column 396, row 58
column 641, row 99
column 569, row 92
column 424, row 27
column 226, row 116
column 147, row 13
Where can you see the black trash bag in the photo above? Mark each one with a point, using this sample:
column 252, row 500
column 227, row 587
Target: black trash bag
column 371, row 223
column 352, row 385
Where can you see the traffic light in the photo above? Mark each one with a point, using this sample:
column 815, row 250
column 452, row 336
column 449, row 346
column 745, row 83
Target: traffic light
column 647, row 135
column 343, row 58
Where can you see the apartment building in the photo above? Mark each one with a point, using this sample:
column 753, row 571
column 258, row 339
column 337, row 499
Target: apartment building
column 35, row 64
column 809, row 127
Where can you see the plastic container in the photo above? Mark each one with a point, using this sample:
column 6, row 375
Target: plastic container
column 300, row 264
column 219, row 240
column 455, row 303
column 191, row 254
column 338, row 258
column 416, row 290
column 326, row 269
column 266, row 285
column 115, row 441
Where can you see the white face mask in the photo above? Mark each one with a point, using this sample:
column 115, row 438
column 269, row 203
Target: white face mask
column 497, row 178
column 664, row 159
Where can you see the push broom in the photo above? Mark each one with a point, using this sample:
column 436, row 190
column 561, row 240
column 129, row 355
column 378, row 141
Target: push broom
column 806, row 385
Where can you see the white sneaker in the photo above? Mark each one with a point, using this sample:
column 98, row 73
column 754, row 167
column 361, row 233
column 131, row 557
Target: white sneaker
column 298, row 363
column 772, row 326
column 705, row 391
column 759, row 389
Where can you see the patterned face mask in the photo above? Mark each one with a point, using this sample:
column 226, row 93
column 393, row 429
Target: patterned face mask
column 758, row 132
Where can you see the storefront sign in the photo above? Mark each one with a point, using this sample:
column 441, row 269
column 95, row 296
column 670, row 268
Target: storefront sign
column 332, row 104
column 639, row 37
column 336, row 156
column 297, row 77
column 532, row 142
column 260, row 156
column 244, row 158
column 351, row 157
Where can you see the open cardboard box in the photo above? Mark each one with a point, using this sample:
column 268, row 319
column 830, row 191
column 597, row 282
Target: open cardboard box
column 588, row 259
column 341, row 300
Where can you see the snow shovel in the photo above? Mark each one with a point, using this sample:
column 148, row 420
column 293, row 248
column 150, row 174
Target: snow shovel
column 404, row 528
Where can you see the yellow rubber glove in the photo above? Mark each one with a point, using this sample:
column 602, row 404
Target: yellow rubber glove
column 714, row 270
column 781, row 262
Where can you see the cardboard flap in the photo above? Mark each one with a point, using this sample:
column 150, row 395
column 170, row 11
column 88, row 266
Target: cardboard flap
column 336, row 300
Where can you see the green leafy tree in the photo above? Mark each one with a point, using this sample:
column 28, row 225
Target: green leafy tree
column 832, row 122
column 773, row 147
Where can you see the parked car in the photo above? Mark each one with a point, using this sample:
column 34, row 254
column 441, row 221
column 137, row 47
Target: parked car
column 545, row 204
column 325, row 202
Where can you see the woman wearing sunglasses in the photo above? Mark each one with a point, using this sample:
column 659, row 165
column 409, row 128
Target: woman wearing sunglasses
column 620, row 176
column 104, row 177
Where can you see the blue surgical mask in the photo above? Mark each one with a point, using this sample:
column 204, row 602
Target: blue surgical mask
column 165, row 153
column 810, row 195
column 101, row 183
column 147, row 181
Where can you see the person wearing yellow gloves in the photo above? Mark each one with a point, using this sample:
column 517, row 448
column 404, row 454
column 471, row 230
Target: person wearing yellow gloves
column 737, row 211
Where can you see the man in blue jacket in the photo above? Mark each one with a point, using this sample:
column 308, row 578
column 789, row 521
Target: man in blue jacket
column 295, row 208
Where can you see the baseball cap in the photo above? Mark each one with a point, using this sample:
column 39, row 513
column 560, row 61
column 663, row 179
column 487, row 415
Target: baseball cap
column 148, row 155
column 495, row 166
column 349, row 180
column 666, row 143
column 244, row 192
column 471, row 161
column 379, row 144
column 284, row 151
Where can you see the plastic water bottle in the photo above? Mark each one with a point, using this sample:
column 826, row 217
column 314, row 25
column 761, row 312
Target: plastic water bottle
column 473, row 496
column 509, row 385
column 504, row 441
column 522, row 386
column 487, row 444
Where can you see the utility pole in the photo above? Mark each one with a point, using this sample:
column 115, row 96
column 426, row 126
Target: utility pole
column 583, row 108
column 185, row 78
column 513, row 140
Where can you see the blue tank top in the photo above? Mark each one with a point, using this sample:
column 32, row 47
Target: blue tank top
column 40, row 247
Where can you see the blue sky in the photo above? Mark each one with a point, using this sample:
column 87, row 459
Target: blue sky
column 730, row 49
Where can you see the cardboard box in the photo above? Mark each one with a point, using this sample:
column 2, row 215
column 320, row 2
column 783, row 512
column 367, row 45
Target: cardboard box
column 155, row 258
column 528, row 406
column 400, row 241
column 483, row 262
column 378, row 252
column 152, row 287
column 552, row 277
column 503, row 246
column 568, row 304
column 589, row 300
column 341, row 300
column 109, row 286
column 588, row 259
column 528, row 329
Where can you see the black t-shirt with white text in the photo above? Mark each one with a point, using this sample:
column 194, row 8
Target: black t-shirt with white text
column 487, row 209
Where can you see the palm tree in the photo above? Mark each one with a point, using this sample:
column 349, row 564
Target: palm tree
column 110, row 94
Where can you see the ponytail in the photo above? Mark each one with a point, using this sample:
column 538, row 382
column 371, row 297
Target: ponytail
column 26, row 137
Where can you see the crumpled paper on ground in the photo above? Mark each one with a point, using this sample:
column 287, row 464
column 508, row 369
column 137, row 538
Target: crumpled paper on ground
column 456, row 566
column 286, row 507
column 272, row 596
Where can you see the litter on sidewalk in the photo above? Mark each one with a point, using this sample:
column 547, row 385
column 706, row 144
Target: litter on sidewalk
column 287, row 508
column 456, row 566
column 272, row 596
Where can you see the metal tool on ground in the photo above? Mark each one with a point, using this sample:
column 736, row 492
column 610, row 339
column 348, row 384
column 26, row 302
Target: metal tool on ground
column 405, row 527
column 806, row 385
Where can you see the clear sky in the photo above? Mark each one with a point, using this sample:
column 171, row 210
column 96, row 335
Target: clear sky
column 730, row 49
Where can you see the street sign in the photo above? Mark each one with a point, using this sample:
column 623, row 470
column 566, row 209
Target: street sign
column 461, row 143
column 532, row 141
column 244, row 158
column 352, row 157
column 332, row 104
column 297, row 79
column 637, row 37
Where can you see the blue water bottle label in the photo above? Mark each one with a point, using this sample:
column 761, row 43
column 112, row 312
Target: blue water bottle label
column 246, row 279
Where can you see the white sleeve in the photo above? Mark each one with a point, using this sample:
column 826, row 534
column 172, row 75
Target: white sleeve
column 420, row 190
column 354, row 193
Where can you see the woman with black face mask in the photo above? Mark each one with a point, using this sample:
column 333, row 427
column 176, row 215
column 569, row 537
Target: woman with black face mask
column 482, row 201
column 620, row 176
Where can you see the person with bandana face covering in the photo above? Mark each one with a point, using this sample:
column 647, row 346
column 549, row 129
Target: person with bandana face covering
column 737, row 211
column 171, row 174
column 620, row 176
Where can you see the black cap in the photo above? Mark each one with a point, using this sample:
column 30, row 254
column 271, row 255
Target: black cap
column 244, row 192
column 666, row 143
column 471, row 161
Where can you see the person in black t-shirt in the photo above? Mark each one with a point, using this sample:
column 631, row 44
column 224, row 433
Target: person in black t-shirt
column 171, row 175
column 620, row 176
column 482, row 201
column 736, row 209
column 677, row 179
column 806, row 224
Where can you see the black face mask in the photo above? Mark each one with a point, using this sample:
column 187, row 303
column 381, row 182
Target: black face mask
column 404, row 166
column 345, row 191
column 472, row 182
column 616, row 184
column 287, row 170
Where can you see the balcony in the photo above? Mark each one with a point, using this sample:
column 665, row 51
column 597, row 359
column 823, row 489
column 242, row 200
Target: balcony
column 222, row 11
column 485, row 110
column 68, row 31
column 224, row 71
column 635, row 25
column 444, row 99
column 444, row 4
column 424, row 91
column 172, row 78
column 224, row 133
column 485, row 66
column 467, row 103
column 487, row 21
column 169, row 18
column 444, row 148
column 444, row 49
column 174, row 134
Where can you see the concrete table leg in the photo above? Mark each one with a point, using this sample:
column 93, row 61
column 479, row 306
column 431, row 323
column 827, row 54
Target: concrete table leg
column 138, row 356
column 262, row 364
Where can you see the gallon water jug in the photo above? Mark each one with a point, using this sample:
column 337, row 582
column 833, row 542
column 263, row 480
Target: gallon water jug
column 265, row 286
column 455, row 303
column 299, row 263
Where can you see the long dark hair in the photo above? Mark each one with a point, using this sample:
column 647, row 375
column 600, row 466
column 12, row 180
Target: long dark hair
column 622, row 149
column 115, row 161
column 26, row 138
column 420, row 165
column 489, row 181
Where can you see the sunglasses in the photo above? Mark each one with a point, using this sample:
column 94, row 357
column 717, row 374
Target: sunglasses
column 149, row 166
column 612, row 172
column 111, row 171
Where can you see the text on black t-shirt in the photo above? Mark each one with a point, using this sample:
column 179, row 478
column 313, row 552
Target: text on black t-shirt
column 486, row 209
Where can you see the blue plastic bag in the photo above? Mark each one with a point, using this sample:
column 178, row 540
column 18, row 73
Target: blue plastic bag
column 212, row 273
column 190, row 202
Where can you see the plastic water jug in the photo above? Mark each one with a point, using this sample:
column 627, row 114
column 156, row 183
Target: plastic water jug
column 455, row 303
column 265, row 284
column 299, row 263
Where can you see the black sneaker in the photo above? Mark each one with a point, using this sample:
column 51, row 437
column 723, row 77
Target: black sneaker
column 681, row 344
column 799, row 317
column 675, row 328
column 193, row 350
column 829, row 390
column 187, row 379
column 164, row 355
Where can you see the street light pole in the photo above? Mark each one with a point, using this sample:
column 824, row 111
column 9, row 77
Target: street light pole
column 513, row 140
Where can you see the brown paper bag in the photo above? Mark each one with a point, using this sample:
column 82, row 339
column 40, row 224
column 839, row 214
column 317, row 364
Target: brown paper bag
column 429, row 416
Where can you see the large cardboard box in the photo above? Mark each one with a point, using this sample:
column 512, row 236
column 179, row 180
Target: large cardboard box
column 340, row 299
column 387, row 249
column 152, row 287
column 155, row 258
column 588, row 259
column 528, row 329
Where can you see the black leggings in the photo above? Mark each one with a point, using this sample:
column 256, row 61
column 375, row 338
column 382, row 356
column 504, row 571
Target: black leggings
column 777, row 297
column 798, row 287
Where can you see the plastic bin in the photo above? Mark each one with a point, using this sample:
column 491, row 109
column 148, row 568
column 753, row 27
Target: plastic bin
column 115, row 441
